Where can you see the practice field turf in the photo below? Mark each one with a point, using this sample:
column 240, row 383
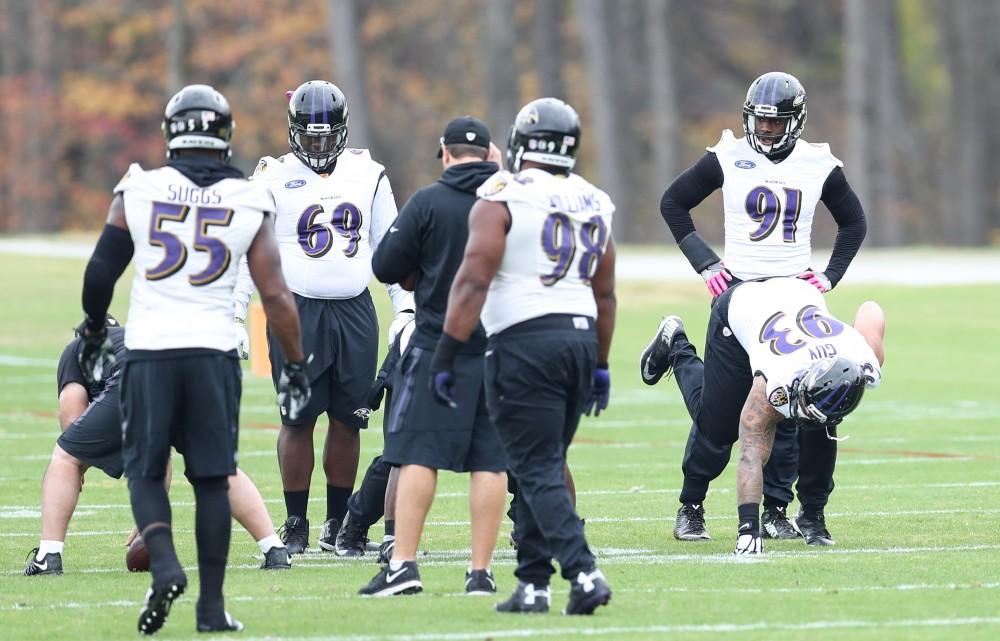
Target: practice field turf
column 916, row 513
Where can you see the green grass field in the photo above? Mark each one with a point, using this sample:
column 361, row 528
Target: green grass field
column 916, row 512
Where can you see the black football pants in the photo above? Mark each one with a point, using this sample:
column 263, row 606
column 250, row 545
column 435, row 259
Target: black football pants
column 714, row 392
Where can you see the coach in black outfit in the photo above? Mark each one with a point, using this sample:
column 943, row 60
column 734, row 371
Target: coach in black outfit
column 427, row 243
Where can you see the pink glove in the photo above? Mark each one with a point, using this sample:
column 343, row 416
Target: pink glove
column 288, row 94
column 717, row 278
column 819, row 281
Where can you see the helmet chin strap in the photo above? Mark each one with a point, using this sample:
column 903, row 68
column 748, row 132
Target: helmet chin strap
column 826, row 428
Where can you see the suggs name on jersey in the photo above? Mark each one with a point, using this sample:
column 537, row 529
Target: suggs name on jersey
column 574, row 204
column 194, row 195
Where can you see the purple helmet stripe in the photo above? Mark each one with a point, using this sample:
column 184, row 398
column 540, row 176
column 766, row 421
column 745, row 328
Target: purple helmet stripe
column 312, row 107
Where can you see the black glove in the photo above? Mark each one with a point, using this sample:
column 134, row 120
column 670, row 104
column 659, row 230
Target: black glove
column 443, row 370
column 97, row 355
column 375, row 393
column 294, row 391
column 600, row 391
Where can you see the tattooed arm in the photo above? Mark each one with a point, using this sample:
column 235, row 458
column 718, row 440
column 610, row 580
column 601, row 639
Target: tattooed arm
column 757, row 426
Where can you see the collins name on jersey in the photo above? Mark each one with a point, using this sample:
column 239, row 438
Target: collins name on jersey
column 784, row 325
column 769, row 207
column 185, row 237
column 559, row 230
column 325, row 223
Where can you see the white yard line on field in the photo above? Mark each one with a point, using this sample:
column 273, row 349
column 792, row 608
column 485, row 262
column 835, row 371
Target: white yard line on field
column 326, row 597
column 638, row 490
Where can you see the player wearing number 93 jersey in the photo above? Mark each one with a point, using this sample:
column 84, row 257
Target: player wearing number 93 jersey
column 540, row 240
column 333, row 205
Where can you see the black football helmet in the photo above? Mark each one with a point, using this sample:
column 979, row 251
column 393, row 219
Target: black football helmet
column 546, row 131
column 198, row 117
column 317, row 124
column 828, row 391
column 775, row 95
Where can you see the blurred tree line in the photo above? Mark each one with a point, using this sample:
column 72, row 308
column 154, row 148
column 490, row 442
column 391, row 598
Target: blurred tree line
column 904, row 90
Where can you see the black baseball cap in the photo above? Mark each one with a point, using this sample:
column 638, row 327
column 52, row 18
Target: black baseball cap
column 465, row 131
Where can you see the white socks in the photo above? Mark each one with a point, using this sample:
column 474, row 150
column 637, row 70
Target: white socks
column 268, row 542
column 48, row 547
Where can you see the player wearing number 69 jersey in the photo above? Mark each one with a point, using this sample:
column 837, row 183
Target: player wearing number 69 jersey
column 332, row 207
column 540, row 244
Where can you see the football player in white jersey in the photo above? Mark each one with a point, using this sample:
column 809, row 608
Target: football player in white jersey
column 186, row 225
column 807, row 366
column 771, row 181
column 333, row 205
column 540, row 245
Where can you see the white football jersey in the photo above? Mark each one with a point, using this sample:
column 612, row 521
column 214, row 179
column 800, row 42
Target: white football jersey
column 327, row 226
column 784, row 325
column 188, row 241
column 769, row 207
column 559, row 230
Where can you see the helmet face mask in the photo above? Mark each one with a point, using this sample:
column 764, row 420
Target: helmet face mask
column 317, row 124
column 546, row 131
column 827, row 392
column 198, row 117
column 774, row 96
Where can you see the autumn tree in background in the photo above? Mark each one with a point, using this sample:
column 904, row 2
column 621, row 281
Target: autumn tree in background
column 906, row 92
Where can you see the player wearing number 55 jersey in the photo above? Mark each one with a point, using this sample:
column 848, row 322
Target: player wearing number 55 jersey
column 186, row 225
column 333, row 205
column 540, row 245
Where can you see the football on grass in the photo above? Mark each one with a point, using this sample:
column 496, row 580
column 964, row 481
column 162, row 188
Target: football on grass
column 137, row 556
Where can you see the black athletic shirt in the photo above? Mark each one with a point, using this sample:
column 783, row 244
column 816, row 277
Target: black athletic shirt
column 429, row 238
column 69, row 365
column 697, row 182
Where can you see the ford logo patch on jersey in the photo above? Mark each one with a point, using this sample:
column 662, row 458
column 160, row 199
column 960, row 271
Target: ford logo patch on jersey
column 743, row 164
column 294, row 184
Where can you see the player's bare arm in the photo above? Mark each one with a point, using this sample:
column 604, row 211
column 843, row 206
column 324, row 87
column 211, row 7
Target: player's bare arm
column 488, row 222
column 870, row 323
column 757, row 426
column 73, row 401
column 265, row 268
column 603, row 284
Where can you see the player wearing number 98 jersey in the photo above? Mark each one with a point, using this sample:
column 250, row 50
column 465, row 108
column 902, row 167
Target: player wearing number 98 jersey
column 540, row 243
column 333, row 205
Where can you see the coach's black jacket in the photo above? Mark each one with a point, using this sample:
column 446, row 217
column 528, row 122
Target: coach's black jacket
column 429, row 238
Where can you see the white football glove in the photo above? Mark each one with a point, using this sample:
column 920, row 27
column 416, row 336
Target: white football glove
column 398, row 323
column 749, row 544
column 242, row 339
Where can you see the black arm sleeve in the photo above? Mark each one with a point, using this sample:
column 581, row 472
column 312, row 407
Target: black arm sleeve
column 846, row 208
column 398, row 254
column 110, row 258
column 687, row 191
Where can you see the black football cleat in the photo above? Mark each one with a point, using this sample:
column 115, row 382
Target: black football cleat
column 328, row 535
column 352, row 539
column 51, row 564
column 774, row 524
column 386, row 549
column 389, row 582
column 277, row 559
column 228, row 624
column 588, row 591
column 654, row 363
column 811, row 524
column 295, row 534
column 480, row 582
column 690, row 524
column 158, row 601
column 528, row 598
